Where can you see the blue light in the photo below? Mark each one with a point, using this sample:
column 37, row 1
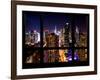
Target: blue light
column 76, row 57
column 70, row 59
column 69, row 54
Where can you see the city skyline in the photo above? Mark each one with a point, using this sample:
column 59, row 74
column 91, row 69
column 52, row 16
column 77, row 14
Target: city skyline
column 57, row 37
column 57, row 33
column 50, row 20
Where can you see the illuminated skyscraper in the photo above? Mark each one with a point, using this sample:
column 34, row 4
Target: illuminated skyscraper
column 61, row 38
column 45, row 37
column 45, row 33
column 82, row 53
column 77, row 36
column 28, row 38
column 66, row 35
column 52, row 40
column 83, row 39
column 32, row 38
column 36, row 36
column 51, row 56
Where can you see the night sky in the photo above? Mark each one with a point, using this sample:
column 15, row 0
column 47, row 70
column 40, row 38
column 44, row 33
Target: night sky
column 31, row 20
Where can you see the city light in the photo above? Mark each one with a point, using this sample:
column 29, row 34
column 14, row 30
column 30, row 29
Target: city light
column 54, row 38
column 58, row 38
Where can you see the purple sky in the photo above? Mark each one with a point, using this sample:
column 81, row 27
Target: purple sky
column 50, row 20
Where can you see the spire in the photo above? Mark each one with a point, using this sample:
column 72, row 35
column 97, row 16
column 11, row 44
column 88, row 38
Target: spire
column 55, row 30
column 77, row 30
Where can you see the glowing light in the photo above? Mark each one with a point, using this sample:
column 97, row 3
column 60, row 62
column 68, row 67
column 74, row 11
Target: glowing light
column 76, row 57
column 77, row 30
column 38, row 37
column 67, row 23
column 70, row 59
column 55, row 31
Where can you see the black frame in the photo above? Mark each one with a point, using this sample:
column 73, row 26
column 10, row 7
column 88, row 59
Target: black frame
column 14, row 39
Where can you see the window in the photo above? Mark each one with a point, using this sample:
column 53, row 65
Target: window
column 55, row 39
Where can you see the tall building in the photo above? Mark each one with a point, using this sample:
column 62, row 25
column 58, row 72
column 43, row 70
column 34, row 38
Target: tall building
column 52, row 40
column 67, row 35
column 28, row 38
column 36, row 36
column 51, row 56
column 76, row 36
column 62, row 55
column 83, row 39
column 82, row 53
column 45, row 37
column 61, row 38
column 32, row 38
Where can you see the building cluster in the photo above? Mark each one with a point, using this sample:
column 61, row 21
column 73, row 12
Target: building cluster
column 51, row 40
column 32, row 57
column 64, row 38
column 32, row 38
column 82, row 54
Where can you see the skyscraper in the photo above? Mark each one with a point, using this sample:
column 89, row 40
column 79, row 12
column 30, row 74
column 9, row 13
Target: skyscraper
column 52, row 40
column 28, row 38
column 36, row 36
column 76, row 36
column 45, row 37
column 83, row 40
column 66, row 34
column 32, row 38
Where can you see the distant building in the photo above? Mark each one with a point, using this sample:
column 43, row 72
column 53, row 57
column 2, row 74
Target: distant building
column 61, row 38
column 82, row 53
column 45, row 33
column 83, row 40
column 67, row 35
column 45, row 37
column 28, row 38
column 32, row 37
column 32, row 57
column 36, row 37
column 51, row 56
column 62, row 55
column 76, row 36
column 52, row 40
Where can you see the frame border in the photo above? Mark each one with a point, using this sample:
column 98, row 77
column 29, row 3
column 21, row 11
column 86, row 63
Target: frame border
column 14, row 4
